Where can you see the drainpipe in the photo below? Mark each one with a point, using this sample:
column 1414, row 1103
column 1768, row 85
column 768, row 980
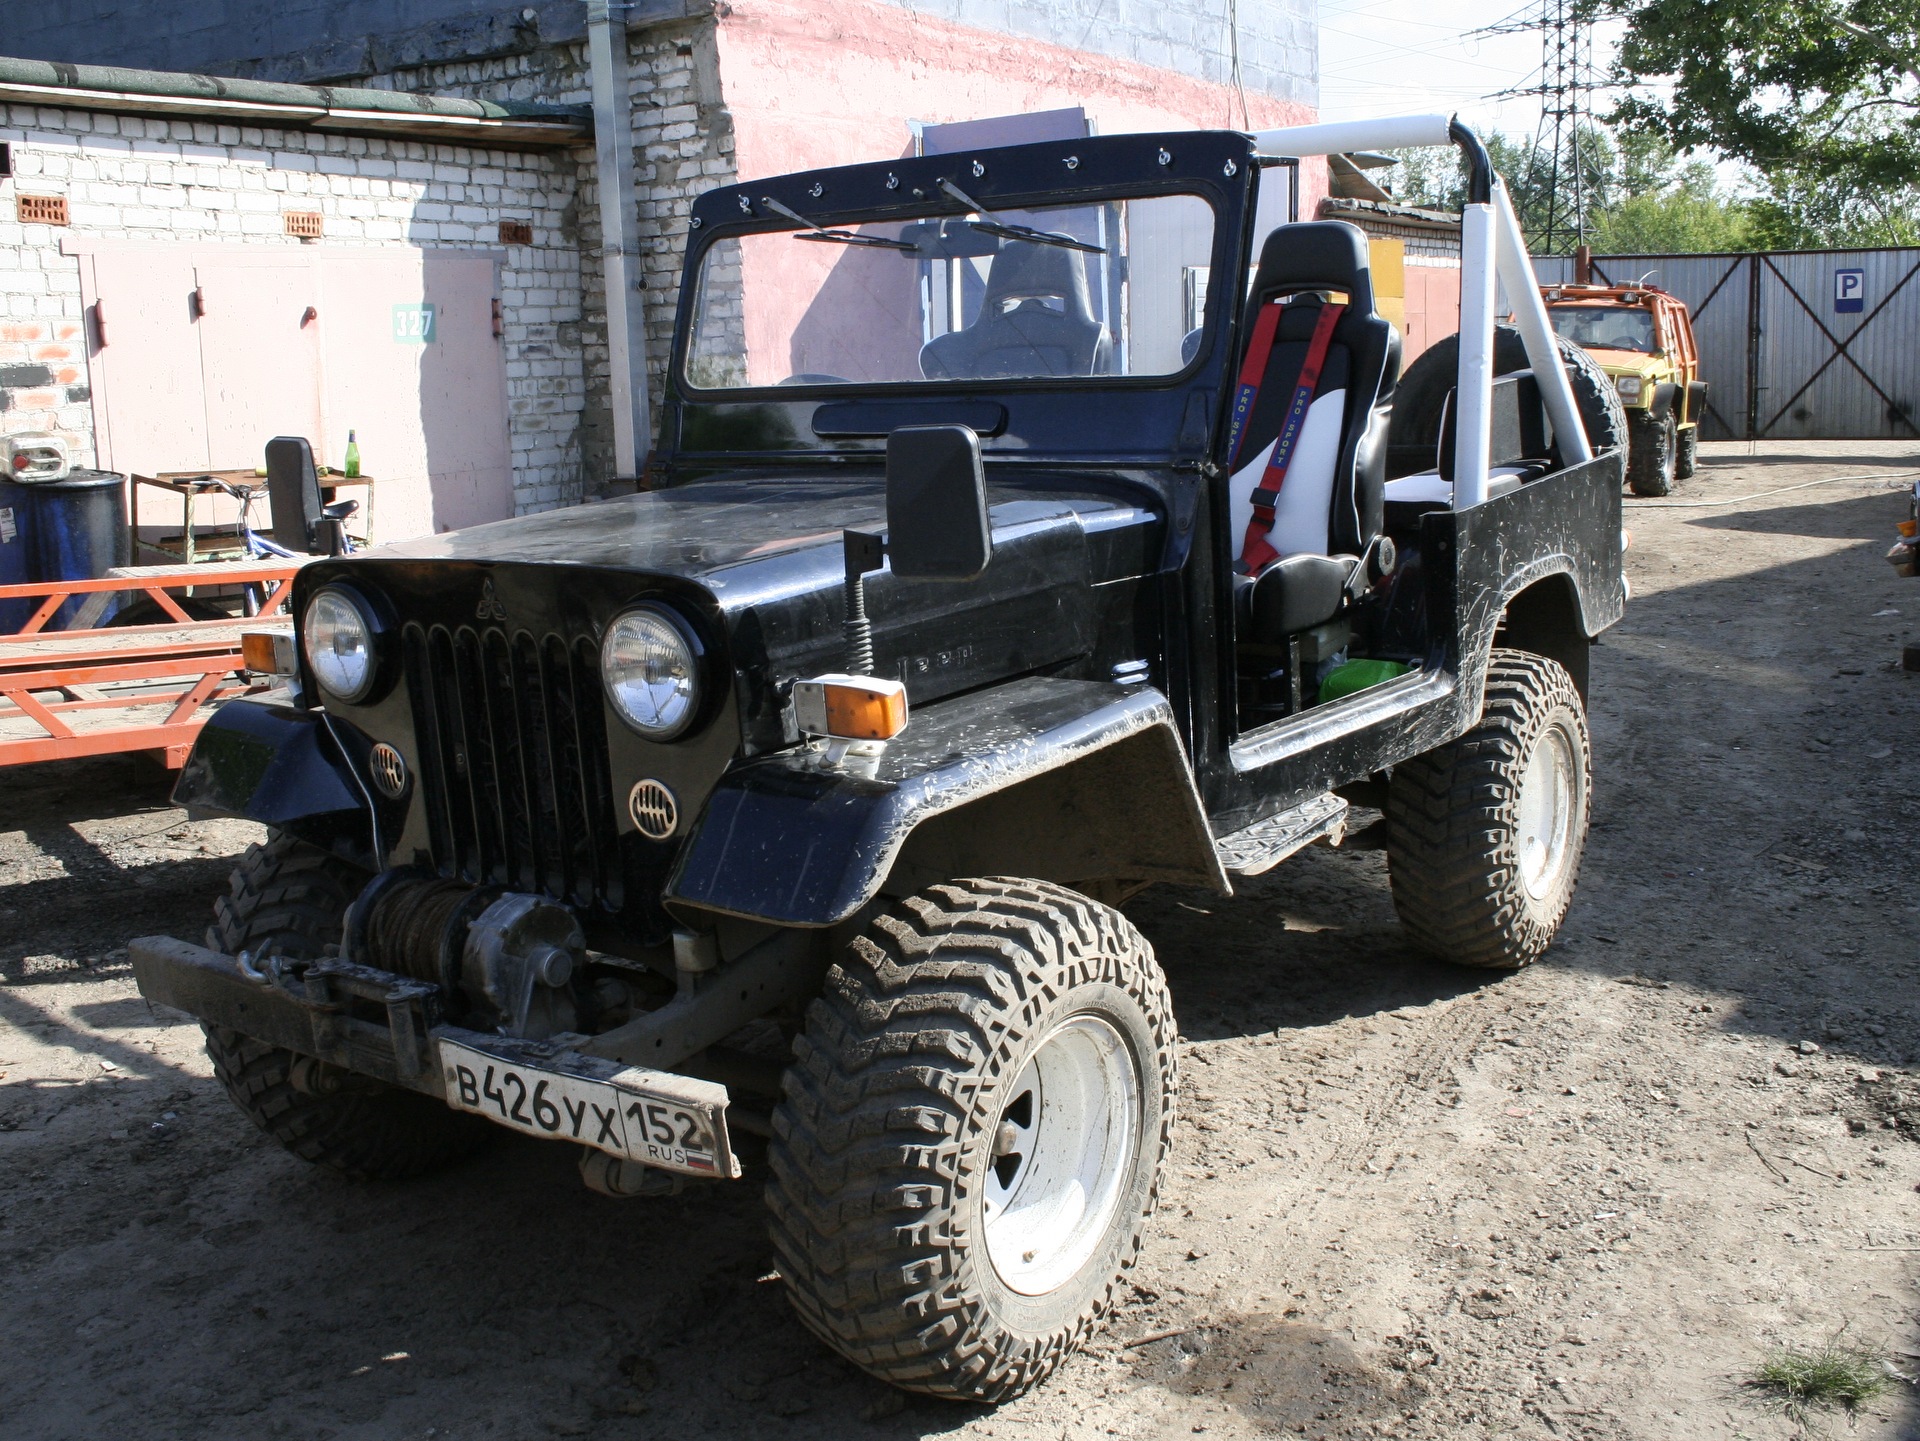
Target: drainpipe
column 619, row 248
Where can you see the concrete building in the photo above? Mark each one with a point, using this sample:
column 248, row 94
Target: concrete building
column 717, row 90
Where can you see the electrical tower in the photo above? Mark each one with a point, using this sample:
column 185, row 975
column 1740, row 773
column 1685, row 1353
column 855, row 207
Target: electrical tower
column 1562, row 175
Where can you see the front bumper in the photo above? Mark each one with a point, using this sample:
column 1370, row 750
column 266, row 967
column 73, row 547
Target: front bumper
column 388, row 1027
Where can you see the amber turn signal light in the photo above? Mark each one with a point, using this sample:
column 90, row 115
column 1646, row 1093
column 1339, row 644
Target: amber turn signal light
column 850, row 707
column 267, row 652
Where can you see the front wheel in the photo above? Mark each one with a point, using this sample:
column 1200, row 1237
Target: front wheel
column 1651, row 453
column 972, row 1135
column 1484, row 836
column 290, row 899
column 1686, row 453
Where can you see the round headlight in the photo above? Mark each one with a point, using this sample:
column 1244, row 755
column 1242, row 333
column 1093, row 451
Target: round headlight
column 338, row 638
column 651, row 672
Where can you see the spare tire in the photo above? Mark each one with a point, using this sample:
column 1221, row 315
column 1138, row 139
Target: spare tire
column 1419, row 405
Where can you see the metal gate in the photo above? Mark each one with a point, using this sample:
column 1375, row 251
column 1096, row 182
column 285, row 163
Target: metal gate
column 1794, row 344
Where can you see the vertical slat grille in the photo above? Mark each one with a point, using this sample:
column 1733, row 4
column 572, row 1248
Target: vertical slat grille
column 514, row 761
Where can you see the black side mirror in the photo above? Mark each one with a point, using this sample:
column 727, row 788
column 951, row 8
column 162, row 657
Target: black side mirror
column 937, row 526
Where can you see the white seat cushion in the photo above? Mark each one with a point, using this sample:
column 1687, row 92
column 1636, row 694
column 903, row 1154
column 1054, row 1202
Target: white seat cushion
column 1301, row 518
column 1427, row 488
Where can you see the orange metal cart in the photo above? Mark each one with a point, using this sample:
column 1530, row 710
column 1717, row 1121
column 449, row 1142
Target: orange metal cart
column 128, row 688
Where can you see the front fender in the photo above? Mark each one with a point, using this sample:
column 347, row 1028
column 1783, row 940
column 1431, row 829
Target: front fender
column 1061, row 780
column 266, row 760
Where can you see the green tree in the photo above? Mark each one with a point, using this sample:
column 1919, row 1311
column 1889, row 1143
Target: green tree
column 1640, row 197
column 1661, row 204
column 1803, row 210
column 1801, row 87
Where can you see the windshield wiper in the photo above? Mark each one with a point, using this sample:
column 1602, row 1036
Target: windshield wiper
column 816, row 231
column 1017, row 232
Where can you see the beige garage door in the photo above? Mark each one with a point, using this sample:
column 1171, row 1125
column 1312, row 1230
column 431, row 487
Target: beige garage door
column 201, row 354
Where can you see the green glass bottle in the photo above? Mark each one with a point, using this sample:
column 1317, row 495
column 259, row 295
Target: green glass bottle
column 353, row 455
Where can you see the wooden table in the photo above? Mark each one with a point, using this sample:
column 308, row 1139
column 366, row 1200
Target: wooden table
column 189, row 485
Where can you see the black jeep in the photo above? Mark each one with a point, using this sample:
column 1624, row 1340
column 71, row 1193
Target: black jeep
column 1021, row 533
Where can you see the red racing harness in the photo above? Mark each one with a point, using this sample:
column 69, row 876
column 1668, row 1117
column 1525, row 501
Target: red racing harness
column 1256, row 550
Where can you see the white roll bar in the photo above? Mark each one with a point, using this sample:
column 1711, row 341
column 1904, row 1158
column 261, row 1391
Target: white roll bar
column 1491, row 244
column 1530, row 316
column 1394, row 132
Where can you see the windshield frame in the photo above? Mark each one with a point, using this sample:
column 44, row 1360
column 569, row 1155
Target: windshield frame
column 974, row 173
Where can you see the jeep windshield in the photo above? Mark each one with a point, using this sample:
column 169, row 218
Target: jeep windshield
column 1093, row 289
column 1605, row 327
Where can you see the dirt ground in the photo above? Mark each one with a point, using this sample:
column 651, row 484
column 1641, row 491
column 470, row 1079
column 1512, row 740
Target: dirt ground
column 1583, row 1200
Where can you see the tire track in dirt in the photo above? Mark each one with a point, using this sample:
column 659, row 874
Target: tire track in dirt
column 1367, row 1125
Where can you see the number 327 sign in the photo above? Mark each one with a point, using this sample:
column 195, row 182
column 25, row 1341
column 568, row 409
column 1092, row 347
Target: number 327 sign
column 413, row 324
column 1849, row 292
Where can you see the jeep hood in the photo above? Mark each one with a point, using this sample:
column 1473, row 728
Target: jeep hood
column 1629, row 362
column 765, row 554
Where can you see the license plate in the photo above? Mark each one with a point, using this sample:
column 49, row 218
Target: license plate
column 659, row 1119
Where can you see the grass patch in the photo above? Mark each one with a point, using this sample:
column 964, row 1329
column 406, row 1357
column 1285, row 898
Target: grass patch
column 1804, row 1380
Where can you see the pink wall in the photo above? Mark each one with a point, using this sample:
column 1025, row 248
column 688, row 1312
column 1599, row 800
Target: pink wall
column 811, row 86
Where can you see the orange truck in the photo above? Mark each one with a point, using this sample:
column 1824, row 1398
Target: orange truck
column 1643, row 338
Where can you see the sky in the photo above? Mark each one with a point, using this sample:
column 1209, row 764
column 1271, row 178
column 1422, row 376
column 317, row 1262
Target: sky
column 1399, row 57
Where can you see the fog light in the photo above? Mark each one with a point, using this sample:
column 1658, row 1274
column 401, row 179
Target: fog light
column 850, row 707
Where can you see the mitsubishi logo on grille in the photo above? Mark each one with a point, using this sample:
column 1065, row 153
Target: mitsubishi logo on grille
column 389, row 769
column 489, row 607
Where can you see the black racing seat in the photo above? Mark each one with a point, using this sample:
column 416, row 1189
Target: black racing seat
column 1320, row 570
column 302, row 523
column 1036, row 319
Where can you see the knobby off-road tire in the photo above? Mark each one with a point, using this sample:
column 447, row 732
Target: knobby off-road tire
column 290, row 898
column 985, row 1046
column 1651, row 455
column 1686, row 453
column 1484, row 836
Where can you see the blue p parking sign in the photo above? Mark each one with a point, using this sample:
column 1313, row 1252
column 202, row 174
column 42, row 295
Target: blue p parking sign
column 1849, row 292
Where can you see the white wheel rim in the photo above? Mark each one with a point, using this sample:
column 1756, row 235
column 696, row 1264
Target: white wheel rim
column 1060, row 1154
column 1549, row 798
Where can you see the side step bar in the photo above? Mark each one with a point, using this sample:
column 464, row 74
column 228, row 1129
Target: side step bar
column 1266, row 843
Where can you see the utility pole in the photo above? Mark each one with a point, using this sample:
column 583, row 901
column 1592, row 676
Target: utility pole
column 1561, row 170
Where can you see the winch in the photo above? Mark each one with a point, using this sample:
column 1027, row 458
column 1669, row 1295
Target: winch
column 503, row 958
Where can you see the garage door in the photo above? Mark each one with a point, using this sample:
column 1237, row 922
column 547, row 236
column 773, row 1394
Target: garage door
column 201, row 354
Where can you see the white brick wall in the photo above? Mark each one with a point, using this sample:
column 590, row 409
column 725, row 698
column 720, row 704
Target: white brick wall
column 128, row 177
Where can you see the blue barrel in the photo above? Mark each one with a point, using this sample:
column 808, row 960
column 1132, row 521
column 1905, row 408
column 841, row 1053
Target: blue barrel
column 79, row 533
column 18, row 563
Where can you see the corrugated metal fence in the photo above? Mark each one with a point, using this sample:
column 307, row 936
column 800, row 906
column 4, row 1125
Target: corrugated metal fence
column 1794, row 344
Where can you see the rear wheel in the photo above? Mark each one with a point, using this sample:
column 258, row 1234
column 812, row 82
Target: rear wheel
column 1686, row 453
column 1651, row 454
column 289, row 899
column 1484, row 836
column 972, row 1135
